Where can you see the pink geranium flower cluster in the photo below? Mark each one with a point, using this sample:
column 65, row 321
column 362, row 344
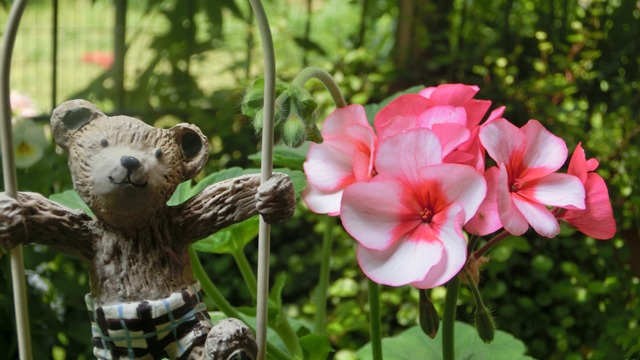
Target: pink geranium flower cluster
column 407, row 188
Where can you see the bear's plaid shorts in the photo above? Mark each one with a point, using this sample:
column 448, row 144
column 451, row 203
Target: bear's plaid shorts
column 151, row 329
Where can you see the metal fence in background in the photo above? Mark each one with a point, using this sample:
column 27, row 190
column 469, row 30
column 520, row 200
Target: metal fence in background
column 63, row 45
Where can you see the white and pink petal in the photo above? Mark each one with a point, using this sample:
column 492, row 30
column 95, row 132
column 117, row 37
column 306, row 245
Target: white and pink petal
column 408, row 260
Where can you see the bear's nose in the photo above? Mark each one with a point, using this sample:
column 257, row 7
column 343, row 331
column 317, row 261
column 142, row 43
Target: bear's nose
column 129, row 162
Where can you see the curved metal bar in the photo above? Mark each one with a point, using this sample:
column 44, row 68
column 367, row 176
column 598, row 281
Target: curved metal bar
column 264, row 234
column 10, row 178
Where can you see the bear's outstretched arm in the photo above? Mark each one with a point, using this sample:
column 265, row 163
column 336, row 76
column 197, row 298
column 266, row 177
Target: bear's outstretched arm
column 35, row 219
column 232, row 201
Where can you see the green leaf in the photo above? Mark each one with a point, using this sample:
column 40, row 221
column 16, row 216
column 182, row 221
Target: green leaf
column 219, row 176
column 285, row 156
column 414, row 344
column 316, row 346
column 275, row 299
column 372, row 109
column 181, row 194
column 71, row 199
column 231, row 239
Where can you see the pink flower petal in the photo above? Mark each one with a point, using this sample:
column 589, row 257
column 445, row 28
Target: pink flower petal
column 495, row 115
column 407, row 260
column 322, row 202
column 454, row 254
column 400, row 114
column 340, row 161
column 400, row 156
column 555, row 190
column 340, row 118
column 578, row 164
column 597, row 219
column 540, row 218
column 476, row 109
column 426, row 92
column 451, row 136
column 460, row 184
column 543, row 149
column 502, row 140
column 453, row 94
column 442, row 115
column 511, row 218
column 487, row 220
column 376, row 214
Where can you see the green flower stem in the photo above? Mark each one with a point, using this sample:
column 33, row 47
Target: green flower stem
column 327, row 80
column 449, row 318
column 289, row 337
column 209, row 287
column 246, row 271
column 473, row 241
column 474, row 289
column 266, row 168
column 491, row 243
column 10, row 179
column 323, row 282
column 222, row 304
column 375, row 321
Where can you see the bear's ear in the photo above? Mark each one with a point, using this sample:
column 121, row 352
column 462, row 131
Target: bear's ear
column 194, row 146
column 69, row 117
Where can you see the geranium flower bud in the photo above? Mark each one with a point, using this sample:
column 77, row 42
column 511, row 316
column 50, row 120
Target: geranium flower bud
column 485, row 325
column 428, row 316
column 293, row 131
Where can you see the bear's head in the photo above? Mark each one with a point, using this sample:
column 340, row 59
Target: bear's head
column 124, row 169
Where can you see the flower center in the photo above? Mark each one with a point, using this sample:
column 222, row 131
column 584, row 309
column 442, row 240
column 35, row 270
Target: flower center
column 426, row 215
column 517, row 185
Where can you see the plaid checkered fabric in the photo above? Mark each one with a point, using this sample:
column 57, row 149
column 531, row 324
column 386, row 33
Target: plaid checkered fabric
column 151, row 329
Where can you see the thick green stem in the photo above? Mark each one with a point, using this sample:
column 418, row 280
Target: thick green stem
column 325, row 270
column 209, row 287
column 327, row 80
column 221, row 303
column 375, row 321
column 246, row 271
column 289, row 337
column 449, row 318
column 266, row 168
column 490, row 244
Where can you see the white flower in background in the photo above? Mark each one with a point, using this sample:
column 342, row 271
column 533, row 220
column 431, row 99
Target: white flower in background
column 29, row 142
column 29, row 139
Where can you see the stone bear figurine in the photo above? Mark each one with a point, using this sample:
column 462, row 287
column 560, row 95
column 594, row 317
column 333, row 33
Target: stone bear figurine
column 145, row 302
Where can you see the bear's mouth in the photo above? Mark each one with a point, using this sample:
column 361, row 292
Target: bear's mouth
column 127, row 182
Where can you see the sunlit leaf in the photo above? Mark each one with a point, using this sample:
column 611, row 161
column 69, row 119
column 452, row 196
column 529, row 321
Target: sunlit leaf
column 71, row 199
column 414, row 344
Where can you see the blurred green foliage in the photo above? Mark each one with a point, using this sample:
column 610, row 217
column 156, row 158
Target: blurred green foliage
column 573, row 65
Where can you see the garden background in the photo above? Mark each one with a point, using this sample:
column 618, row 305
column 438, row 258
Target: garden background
column 573, row 65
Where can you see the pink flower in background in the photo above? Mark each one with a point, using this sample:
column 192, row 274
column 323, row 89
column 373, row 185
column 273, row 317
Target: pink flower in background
column 22, row 106
column 102, row 58
column 596, row 219
column 344, row 157
column 527, row 159
column 408, row 219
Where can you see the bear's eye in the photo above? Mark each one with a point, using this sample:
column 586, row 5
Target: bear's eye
column 158, row 153
column 104, row 143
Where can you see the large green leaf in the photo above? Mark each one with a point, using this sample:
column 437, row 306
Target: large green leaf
column 71, row 199
column 287, row 157
column 232, row 239
column 316, row 346
column 414, row 344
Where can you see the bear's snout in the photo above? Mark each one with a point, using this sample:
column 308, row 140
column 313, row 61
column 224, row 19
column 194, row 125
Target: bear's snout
column 130, row 162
